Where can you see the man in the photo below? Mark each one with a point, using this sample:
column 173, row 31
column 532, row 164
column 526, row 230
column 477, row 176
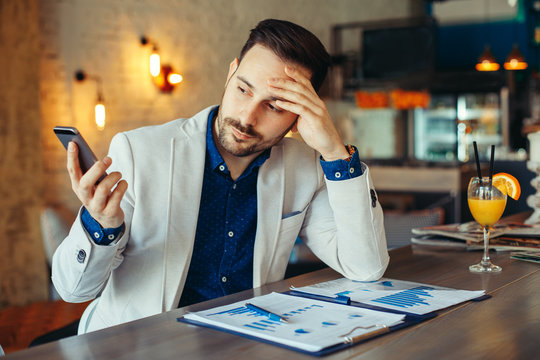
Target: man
column 212, row 205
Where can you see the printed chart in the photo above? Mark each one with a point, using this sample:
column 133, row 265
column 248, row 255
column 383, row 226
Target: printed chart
column 262, row 322
column 311, row 325
column 392, row 294
column 416, row 296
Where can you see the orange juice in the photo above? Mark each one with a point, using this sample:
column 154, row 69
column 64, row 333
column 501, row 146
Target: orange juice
column 487, row 212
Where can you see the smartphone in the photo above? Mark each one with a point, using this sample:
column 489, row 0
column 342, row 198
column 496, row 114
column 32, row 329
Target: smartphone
column 87, row 158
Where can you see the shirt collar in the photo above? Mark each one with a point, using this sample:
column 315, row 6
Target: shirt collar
column 214, row 157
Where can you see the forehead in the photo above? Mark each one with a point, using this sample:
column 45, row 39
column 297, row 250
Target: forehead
column 263, row 63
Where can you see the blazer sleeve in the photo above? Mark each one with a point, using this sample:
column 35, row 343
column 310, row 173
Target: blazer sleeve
column 344, row 228
column 80, row 267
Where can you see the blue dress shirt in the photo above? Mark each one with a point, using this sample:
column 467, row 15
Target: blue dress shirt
column 100, row 235
column 222, row 259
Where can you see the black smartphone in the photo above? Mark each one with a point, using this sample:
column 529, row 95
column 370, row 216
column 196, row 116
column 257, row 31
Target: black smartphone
column 87, row 158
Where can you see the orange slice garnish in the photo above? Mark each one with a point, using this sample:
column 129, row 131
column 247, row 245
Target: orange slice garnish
column 507, row 184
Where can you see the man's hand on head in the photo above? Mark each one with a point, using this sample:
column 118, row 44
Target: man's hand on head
column 314, row 123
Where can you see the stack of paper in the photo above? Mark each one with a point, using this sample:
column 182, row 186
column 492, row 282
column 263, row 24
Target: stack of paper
column 312, row 325
column 504, row 236
column 317, row 326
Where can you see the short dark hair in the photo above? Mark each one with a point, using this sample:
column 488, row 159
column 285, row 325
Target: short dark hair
column 293, row 43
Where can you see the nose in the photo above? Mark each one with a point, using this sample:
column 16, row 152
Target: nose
column 248, row 114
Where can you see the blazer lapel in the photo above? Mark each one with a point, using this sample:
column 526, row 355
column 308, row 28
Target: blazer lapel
column 187, row 156
column 270, row 191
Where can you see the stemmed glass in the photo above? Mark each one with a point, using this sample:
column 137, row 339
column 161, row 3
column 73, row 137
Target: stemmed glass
column 487, row 204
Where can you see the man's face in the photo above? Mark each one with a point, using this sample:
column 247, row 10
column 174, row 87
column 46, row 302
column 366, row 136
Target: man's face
column 249, row 121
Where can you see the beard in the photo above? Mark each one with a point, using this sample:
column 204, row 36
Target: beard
column 240, row 147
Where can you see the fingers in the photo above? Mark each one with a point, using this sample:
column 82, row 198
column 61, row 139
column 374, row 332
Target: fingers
column 299, row 82
column 101, row 200
column 104, row 205
column 73, row 166
column 299, row 76
column 297, row 90
column 296, row 108
column 116, row 197
column 102, row 191
column 290, row 89
column 296, row 94
column 87, row 183
column 294, row 97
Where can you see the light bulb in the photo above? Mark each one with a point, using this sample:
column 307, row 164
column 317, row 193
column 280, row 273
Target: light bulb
column 99, row 112
column 515, row 60
column 487, row 62
column 155, row 64
column 174, row 78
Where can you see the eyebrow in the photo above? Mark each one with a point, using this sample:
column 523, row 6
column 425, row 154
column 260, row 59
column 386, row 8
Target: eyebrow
column 244, row 80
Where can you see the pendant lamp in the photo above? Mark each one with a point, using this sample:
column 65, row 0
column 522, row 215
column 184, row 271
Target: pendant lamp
column 515, row 60
column 486, row 61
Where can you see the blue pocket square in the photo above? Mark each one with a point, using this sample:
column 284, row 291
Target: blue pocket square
column 290, row 214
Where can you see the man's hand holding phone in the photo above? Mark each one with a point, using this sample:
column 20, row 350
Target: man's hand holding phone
column 102, row 200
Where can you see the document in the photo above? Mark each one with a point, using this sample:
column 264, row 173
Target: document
column 503, row 236
column 311, row 325
column 532, row 256
column 404, row 296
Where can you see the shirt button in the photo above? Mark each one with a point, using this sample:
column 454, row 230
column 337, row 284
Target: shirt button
column 96, row 235
column 224, row 279
column 234, row 186
column 231, row 234
column 351, row 170
column 222, row 167
column 337, row 175
column 110, row 237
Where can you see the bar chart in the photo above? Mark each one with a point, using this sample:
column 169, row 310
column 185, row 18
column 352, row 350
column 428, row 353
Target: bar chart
column 408, row 298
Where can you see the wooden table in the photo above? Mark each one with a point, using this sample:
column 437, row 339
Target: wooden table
column 507, row 326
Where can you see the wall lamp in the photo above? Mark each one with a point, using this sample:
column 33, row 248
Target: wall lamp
column 99, row 108
column 163, row 75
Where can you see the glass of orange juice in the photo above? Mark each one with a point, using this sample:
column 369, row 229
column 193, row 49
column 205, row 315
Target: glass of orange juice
column 487, row 204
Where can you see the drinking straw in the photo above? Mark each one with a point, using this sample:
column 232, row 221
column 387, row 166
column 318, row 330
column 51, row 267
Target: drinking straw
column 477, row 161
column 491, row 164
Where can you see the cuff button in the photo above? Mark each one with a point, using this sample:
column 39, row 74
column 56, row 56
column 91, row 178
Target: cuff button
column 81, row 256
column 373, row 198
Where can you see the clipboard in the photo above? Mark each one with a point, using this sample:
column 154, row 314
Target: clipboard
column 340, row 303
column 343, row 338
column 328, row 350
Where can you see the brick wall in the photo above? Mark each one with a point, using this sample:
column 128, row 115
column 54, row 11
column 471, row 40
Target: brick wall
column 199, row 38
column 23, row 273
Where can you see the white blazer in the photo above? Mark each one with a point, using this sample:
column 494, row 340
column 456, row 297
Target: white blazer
column 144, row 271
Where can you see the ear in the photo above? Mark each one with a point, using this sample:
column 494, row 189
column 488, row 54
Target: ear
column 232, row 68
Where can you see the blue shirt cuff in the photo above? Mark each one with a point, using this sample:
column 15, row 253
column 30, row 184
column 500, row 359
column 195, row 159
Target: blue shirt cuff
column 100, row 235
column 342, row 169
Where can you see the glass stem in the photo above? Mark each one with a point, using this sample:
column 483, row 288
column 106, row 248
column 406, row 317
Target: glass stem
column 486, row 245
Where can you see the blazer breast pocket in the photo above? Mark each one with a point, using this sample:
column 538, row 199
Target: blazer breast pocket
column 292, row 222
